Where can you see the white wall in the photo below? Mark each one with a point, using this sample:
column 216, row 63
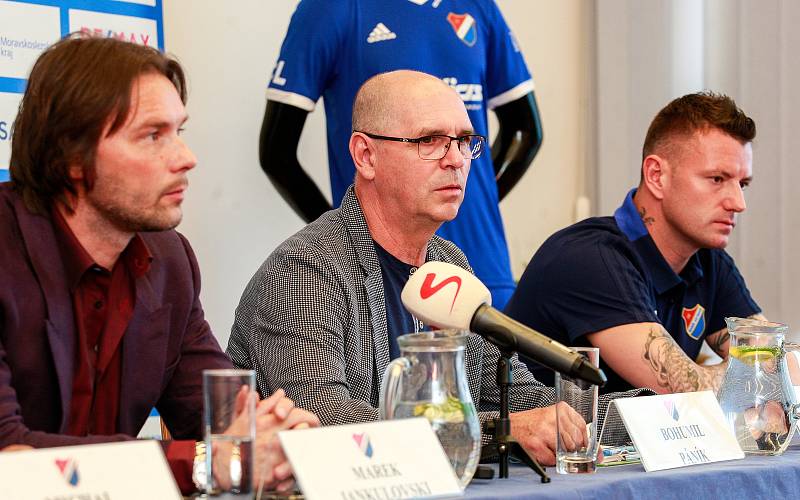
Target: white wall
column 233, row 215
column 555, row 38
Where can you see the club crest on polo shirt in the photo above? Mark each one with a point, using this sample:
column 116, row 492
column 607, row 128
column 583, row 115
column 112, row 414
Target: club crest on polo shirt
column 694, row 319
column 464, row 26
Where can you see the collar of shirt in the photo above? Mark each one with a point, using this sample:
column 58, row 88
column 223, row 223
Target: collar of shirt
column 396, row 264
column 630, row 223
column 77, row 260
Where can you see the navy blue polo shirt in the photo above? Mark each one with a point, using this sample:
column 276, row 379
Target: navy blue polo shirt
column 399, row 321
column 607, row 271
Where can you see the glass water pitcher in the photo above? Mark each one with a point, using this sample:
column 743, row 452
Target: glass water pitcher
column 757, row 396
column 429, row 380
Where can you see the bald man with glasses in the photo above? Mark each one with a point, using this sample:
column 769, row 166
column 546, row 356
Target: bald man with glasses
column 321, row 317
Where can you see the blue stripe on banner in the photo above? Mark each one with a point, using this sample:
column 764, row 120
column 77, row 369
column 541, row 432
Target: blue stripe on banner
column 64, row 21
column 4, row 175
column 12, row 85
column 160, row 25
column 153, row 412
column 106, row 6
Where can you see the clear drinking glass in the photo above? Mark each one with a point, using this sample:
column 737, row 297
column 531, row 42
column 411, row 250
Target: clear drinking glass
column 229, row 410
column 581, row 396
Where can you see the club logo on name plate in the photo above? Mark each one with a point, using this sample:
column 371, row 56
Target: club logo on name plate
column 694, row 320
column 363, row 443
column 672, row 409
column 465, row 27
column 69, row 470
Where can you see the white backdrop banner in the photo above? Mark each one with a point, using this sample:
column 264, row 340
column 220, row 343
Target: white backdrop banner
column 27, row 27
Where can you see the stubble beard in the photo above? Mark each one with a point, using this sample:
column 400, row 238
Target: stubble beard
column 137, row 220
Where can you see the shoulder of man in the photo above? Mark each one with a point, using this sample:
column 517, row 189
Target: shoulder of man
column 18, row 222
column 581, row 241
column 7, row 202
column 327, row 234
column 591, row 251
column 323, row 241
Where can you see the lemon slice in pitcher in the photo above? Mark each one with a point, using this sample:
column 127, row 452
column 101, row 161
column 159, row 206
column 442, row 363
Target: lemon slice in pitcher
column 451, row 411
column 754, row 354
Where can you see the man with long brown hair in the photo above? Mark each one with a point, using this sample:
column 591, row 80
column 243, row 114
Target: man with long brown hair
column 650, row 284
column 100, row 316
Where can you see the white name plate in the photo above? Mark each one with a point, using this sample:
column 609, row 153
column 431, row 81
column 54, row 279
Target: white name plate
column 389, row 459
column 129, row 470
column 677, row 430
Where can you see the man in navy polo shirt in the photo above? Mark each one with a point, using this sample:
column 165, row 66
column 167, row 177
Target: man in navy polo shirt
column 650, row 284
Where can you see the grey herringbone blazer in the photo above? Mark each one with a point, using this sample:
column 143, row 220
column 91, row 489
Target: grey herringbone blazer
column 313, row 321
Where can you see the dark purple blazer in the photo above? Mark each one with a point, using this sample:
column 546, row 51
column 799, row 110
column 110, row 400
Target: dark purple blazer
column 165, row 348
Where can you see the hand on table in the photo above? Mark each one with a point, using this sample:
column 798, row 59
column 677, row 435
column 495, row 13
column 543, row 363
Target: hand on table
column 274, row 414
column 536, row 430
column 270, row 466
column 17, row 447
column 768, row 424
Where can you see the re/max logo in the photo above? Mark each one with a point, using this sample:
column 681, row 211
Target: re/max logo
column 140, row 38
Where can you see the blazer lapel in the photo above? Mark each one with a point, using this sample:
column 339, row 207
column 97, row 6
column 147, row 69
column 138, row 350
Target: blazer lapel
column 373, row 283
column 380, row 332
column 144, row 350
column 40, row 243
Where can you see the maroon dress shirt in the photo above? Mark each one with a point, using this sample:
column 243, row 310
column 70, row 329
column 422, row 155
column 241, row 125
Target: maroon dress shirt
column 103, row 302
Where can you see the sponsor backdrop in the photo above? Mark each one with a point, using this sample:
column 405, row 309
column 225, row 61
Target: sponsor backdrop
column 27, row 27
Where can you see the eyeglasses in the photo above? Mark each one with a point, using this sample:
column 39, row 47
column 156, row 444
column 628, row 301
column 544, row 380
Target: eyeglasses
column 435, row 147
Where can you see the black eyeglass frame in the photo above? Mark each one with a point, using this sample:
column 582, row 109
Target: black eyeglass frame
column 418, row 140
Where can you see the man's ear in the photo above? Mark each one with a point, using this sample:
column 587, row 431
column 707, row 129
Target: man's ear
column 654, row 175
column 75, row 171
column 363, row 155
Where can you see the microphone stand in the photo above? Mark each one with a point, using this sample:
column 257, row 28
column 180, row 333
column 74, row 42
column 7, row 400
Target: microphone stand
column 504, row 445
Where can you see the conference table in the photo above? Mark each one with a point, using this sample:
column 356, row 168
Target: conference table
column 751, row 477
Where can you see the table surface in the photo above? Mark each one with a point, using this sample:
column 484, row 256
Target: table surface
column 751, row 477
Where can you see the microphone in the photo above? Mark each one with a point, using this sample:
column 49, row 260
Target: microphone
column 449, row 296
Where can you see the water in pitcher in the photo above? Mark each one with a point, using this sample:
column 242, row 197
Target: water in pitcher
column 753, row 398
column 458, row 434
column 429, row 380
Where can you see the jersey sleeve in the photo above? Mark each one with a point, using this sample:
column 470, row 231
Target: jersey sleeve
column 507, row 76
column 309, row 52
column 572, row 289
column 732, row 297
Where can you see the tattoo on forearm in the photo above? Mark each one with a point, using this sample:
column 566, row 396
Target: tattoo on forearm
column 715, row 342
column 647, row 219
column 673, row 369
